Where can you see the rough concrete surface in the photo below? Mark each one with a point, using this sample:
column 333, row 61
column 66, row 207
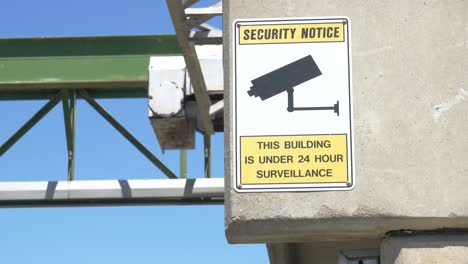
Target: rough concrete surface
column 409, row 71
column 425, row 249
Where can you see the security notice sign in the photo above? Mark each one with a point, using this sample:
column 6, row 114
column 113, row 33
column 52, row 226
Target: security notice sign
column 292, row 105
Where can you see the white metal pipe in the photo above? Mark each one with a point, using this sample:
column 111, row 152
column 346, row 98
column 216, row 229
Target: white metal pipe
column 111, row 192
column 216, row 107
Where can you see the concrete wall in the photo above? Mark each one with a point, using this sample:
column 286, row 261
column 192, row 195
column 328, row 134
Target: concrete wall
column 410, row 124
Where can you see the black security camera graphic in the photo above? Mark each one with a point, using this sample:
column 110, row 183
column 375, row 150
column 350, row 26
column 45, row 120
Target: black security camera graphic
column 285, row 79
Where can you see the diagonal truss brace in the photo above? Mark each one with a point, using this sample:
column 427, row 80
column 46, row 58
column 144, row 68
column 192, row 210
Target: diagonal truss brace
column 184, row 19
column 30, row 123
column 147, row 153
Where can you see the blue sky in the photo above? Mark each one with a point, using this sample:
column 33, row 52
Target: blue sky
column 139, row 234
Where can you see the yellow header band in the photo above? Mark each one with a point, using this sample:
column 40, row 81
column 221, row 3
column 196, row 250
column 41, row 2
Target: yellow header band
column 291, row 33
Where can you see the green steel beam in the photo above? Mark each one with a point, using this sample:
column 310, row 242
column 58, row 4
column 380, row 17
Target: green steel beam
column 29, row 124
column 127, row 135
column 43, row 94
column 108, row 67
column 88, row 46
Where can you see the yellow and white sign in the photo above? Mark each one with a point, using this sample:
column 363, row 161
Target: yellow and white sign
column 292, row 105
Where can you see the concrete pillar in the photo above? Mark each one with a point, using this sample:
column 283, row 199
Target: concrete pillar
column 425, row 248
column 330, row 252
column 282, row 253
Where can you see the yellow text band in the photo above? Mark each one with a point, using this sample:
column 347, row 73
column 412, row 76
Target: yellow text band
column 291, row 33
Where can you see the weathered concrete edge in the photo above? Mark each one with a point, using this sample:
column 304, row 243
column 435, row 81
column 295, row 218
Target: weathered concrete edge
column 228, row 137
column 330, row 229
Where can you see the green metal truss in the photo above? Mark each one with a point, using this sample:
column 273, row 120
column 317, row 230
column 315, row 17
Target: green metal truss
column 64, row 69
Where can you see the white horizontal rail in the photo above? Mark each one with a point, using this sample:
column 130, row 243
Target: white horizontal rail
column 216, row 107
column 214, row 10
column 206, row 37
column 102, row 192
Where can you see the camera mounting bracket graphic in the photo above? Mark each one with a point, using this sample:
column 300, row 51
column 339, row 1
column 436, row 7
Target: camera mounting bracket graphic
column 285, row 79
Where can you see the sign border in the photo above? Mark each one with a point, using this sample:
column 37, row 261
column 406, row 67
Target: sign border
column 281, row 187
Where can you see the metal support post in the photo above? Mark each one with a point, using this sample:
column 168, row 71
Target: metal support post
column 71, row 163
column 207, row 147
column 183, row 164
column 68, row 103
